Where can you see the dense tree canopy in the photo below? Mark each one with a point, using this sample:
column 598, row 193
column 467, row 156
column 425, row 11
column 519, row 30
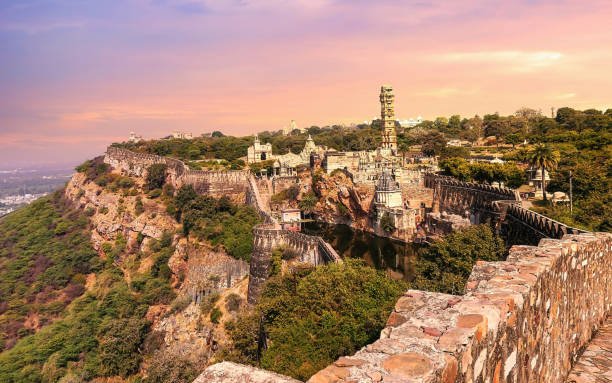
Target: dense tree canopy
column 446, row 264
column 314, row 316
column 218, row 221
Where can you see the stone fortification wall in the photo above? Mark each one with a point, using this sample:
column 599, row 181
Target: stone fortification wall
column 215, row 183
column 312, row 250
column 500, row 206
column 523, row 226
column 459, row 197
column 521, row 320
column 213, row 272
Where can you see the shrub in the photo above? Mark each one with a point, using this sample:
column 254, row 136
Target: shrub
column 208, row 302
column 138, row 206
column 233, row 302
column 180, row 303
column 166, row 367
column 156, row 176
column 215, row 315
column 120, row 340
column 154, row 193
column 125, row 182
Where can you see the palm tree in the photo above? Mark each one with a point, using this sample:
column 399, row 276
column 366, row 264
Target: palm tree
column 545, row 158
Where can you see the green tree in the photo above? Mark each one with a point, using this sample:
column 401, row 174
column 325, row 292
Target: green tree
column 446, row 264
column 545, row 158
column 120, row 340
column 513, row 139
column 308, row 202
column 456, row 167
column 314, row 316
column 156, row 176
column 432, row 143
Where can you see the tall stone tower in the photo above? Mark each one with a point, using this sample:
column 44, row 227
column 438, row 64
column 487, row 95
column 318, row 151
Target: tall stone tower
column 387, row 115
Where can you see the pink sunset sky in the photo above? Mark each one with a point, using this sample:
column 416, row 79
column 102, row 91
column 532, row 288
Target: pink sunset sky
column 76, row 76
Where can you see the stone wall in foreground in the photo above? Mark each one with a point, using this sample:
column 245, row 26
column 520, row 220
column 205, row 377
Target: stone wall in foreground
column 521, row 320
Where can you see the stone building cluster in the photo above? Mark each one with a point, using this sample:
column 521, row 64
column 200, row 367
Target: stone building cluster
column 382, row 167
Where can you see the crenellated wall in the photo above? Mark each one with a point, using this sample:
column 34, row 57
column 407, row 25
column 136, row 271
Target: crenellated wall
column 524, row 226
column 214, row 183
column 312, row 250
column 483, row 203
column 458, row 197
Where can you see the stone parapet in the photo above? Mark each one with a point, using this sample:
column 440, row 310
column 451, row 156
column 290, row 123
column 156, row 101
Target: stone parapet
column 487, row 203
column 521, row 320
column 228, row 372
column 215, row 183
column 311, row 249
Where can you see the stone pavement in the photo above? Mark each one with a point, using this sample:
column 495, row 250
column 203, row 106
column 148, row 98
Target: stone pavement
column 595, row 364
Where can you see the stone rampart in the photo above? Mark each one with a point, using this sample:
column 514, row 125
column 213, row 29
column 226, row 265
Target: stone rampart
column 522, row 320
column 500, row 206
column 312, row 250
column 215, row 183
column 524, row 226
column 459, row 197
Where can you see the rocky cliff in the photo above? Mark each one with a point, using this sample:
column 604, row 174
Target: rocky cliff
column 343, row 201
column 198, row 270
column 112, row 213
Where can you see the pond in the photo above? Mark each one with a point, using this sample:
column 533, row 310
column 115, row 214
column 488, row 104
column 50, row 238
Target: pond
column 394, row 257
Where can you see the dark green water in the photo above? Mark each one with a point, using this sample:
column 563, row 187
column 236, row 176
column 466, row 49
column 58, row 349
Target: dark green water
column 394, row 257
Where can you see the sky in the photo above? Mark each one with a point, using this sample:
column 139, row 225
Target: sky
column 77, row 75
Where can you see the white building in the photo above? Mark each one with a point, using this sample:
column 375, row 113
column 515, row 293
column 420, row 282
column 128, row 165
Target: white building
column 411, row 122
column 182, row 135
column 134, row 137
column 259, row 152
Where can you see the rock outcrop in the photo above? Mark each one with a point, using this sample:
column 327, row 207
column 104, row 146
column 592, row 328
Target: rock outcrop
column 113, row 214
column 342, row 201
column 228, row 372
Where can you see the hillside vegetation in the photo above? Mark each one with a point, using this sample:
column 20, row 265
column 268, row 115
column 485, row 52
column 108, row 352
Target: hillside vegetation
column 44, row 258
column 313, row 316
column 68, row 313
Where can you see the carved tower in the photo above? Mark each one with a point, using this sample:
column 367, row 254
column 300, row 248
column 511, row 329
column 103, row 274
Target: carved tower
column 387, row 115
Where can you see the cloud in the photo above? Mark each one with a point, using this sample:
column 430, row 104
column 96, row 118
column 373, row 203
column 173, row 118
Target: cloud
column 124, row 113
column 447, row 92
column 564, row 96
column 521, row 61
column 32, row 28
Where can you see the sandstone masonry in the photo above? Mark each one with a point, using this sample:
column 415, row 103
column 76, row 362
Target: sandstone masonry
column 521, row 320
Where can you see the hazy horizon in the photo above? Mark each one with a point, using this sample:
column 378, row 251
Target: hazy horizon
column 78, row 76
